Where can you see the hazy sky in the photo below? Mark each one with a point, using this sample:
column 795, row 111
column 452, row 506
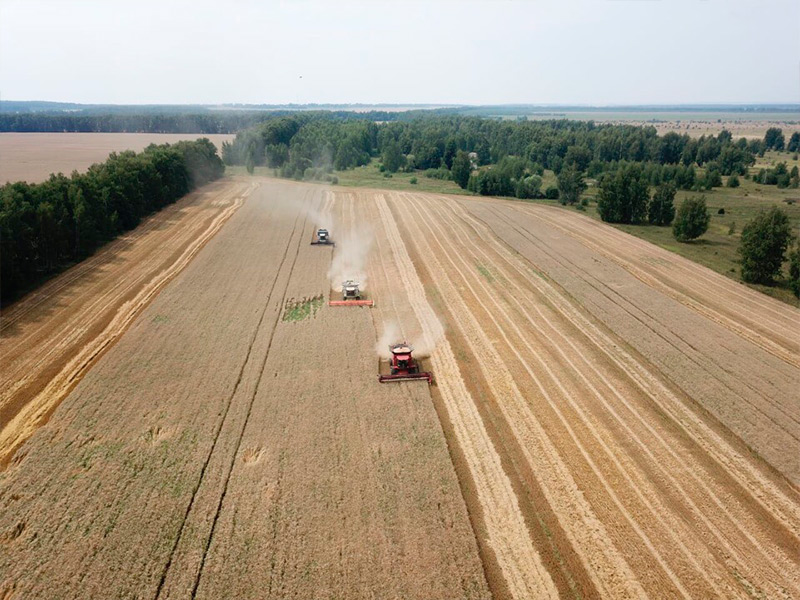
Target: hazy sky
column 523, row 51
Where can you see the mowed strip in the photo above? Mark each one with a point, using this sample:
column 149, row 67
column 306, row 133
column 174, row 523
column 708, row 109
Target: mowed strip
column 219, row 450
column 50, row 338
column 650, row 494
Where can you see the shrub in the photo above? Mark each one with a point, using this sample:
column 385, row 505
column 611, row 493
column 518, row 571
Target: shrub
column 551, row 193
column 413, row 181
column 721, row 211
column 733, row 181
column 691, row 220
column 529, row 187
column 763, row 245
column 439, row 173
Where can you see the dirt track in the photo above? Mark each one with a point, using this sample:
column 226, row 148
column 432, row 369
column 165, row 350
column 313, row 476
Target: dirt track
column 623, row 423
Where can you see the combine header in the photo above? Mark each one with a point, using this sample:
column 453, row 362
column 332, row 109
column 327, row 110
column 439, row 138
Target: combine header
column 403, row 367
column 323, row 238
column 351, row 296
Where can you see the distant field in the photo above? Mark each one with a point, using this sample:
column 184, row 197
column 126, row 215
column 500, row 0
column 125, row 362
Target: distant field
column 695, row 123
column 33, row 156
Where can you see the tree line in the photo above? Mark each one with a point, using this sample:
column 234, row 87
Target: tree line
column 160, row 120
column 316, row 140
column 45, row 227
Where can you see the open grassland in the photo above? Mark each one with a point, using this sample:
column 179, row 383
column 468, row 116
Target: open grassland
column 33, row 157
column 609, row 420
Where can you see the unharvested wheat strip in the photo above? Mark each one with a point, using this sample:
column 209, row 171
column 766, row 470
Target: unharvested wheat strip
column 763, row 491
column 530, row 418
column 578, row 372
column 519, row 561
column 604, row 563
column 30, row 418
column 782, row 352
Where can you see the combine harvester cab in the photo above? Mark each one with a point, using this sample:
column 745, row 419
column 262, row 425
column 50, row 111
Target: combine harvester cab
column 351, row 296
column 403, row 366
column 323, row 238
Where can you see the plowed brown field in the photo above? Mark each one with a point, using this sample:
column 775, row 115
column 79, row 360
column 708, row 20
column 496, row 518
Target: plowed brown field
column 608, row 420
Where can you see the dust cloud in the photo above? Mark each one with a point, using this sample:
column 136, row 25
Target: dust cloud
column 423, row 342
column 350, row 256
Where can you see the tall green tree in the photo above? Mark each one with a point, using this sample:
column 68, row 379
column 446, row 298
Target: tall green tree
column 794, row 142
column 773, row 139
column 794, row 270
column 661, row 210
column 570, row 184
column 623, row 195
column 392, row 158
column 763, row 245
column 691, row 220
column 461, row 169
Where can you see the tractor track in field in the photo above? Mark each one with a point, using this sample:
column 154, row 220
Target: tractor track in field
column 720, row 461
column 299, row 234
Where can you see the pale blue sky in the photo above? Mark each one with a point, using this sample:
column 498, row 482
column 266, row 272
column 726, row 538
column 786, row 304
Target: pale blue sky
column 524, row 51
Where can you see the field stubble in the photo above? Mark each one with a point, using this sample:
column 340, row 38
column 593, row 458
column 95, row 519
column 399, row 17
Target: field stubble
column 623, row 423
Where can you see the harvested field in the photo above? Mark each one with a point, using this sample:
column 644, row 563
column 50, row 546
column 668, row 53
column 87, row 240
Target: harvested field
column 219, row 449
column 608, row 420
column 33, row 157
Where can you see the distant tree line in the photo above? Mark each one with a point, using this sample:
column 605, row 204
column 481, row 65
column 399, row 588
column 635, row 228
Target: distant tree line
column 223, row 122
column 499, row 157
column 162, row 121
column 45, row 227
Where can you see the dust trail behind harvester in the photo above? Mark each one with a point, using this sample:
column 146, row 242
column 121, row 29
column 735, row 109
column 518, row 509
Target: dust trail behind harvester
column 350, row 256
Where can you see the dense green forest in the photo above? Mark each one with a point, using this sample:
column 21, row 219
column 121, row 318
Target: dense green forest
column 502, row 158
column 47, row 226
column 157, row 120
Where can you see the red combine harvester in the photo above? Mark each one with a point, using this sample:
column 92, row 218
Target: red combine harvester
column 351, row 296
column 403, row 367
